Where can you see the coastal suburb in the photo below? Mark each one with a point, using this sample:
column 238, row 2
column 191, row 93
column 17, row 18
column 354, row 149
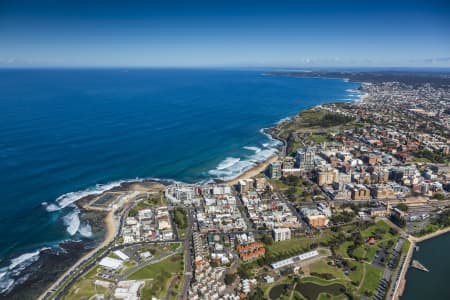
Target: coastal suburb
column 336, row 213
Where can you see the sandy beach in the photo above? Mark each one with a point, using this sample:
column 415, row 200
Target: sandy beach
column 257, row 169
column 110, row 233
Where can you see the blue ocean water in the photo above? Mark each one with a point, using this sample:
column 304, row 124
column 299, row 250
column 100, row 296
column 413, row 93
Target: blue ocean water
column 64, row 131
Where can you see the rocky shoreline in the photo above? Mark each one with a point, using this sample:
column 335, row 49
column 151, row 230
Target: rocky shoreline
column 35, row 278
column 50, row 265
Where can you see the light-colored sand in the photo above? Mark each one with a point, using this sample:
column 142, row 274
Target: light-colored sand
column 151, row 187
column 111, row 223
column 253, row 171
column 111, row 231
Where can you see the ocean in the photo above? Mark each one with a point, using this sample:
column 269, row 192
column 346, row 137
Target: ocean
column 67, row 133
column 433, row 254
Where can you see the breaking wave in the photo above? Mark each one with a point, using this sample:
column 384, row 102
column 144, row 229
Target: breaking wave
column 228, row 162
column 69, row 198
column 273, row 142
column 72, row 221
column 353, row 95
column 252, row 148
column 284, row 120
column 232, row 167
column 232, row 170
column 11, row 275
column 74, row 225
column 85, row 230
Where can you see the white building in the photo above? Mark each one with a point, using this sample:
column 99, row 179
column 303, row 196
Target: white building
column 111, row 263
column 281, row 234
column 294, row 259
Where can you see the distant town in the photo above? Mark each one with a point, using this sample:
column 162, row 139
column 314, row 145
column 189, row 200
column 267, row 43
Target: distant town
column 336, row 214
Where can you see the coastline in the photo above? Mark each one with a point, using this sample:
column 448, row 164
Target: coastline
column 254, row 171
column 110, row 234
column 400, row 288
column 431, row 235
column 110, row 222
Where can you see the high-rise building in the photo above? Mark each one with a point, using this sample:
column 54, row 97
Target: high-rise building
column 281, row 234
column 326, row 176
column 275, row 170
column 305, row 158
column 288, row 162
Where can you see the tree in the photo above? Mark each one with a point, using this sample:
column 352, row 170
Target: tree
column 180, row 218
column 290, row 193
column 399, row 221
column 438, row 196
column 258, row 294
column 267, row 239
column 402, row 207
column 230, row 278
column 244, row 271
column 393, row 231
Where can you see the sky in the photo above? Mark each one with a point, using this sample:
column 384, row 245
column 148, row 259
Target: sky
column 242, row 33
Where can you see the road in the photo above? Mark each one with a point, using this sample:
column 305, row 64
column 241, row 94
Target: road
column 151, row 261
column 187, row 256
column 305, row 225
column 79, row 267
column 69, row 277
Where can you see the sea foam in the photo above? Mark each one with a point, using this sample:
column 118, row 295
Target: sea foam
column 252, row 148
column 85, row 230
column 227, row 163
column 284, row 120
column 232, row 167
column 12, row 274
column 69, row 198
column 72, row 221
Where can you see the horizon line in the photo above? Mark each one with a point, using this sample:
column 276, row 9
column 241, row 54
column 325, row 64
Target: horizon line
column 286, row 68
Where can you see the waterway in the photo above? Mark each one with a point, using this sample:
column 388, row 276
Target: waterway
column 434, row 255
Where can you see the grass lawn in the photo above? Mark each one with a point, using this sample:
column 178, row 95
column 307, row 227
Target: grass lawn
column 299, row 243
column 343, row 248
column 181, row 232
column 367, row 252
column 360, row 252
column 84, row 288
column 357, row 274
column 405, row 247
column 127, row 265
column 284, row 249
column 326, row 296
column 321, row 281
column 371, row 279
column 319, row 138
column 154, row 200
column 174, row 246
column 370, row 252
column 171, row 265
column 289, row 245
column 279, row 185
column 283, row 187
column 158, row 276
column 378, row 225
column 322, row 267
